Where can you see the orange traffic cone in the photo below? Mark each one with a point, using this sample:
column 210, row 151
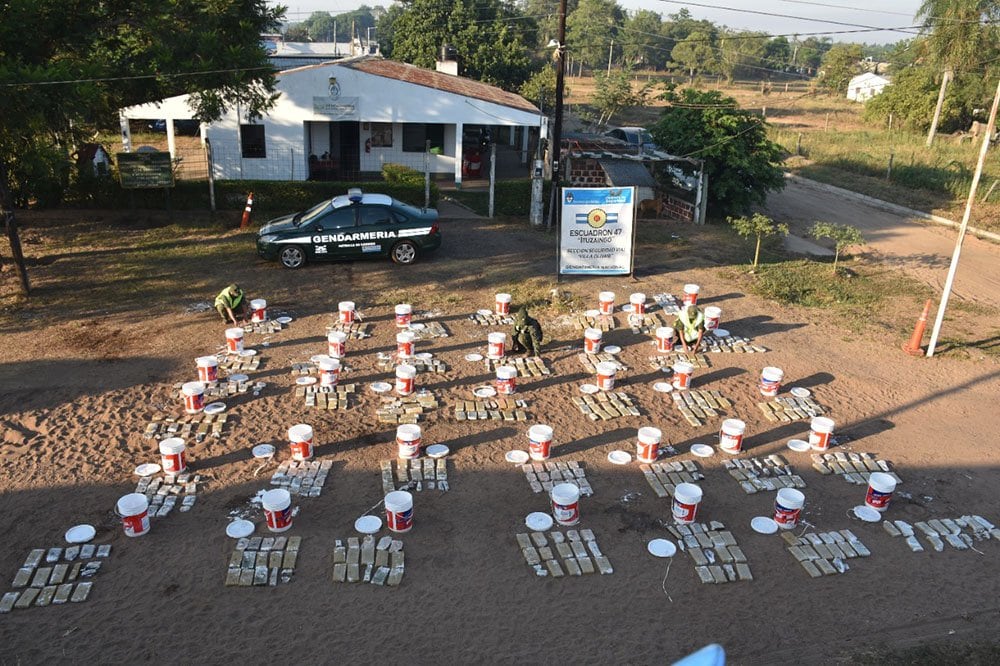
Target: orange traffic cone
column 245, row 222
column 913, row 346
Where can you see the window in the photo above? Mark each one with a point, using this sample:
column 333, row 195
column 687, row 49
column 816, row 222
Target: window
column 372, row 215
column 252, row 141
column 381, row 135
column 416, row 134
column 342, row 218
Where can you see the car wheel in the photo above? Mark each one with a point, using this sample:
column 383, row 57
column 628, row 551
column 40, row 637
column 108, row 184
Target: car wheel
column 292, row 256
column 404, row 252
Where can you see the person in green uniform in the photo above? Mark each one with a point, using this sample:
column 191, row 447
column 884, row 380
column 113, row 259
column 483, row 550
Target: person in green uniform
column 527, row 334
column 232, row 302
column 690, row 327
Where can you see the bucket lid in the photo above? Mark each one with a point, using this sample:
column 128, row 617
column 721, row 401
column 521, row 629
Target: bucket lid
column 276, row 499
column 132, row 504
column 565, row 493
column 408, row 432
column 688, row 493
column 172, row 445
column 772, row 373
column 734, row 424
column 822, row 424
column 650, row 434
column 540, row 431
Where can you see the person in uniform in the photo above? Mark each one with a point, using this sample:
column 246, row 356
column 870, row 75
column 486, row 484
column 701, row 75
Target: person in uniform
column 231, row 302
column 690, row 327
column 527, row 333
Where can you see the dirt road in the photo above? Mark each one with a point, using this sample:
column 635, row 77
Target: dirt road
column 922, row 249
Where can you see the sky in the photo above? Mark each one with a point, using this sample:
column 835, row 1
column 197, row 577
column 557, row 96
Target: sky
column 811, row 13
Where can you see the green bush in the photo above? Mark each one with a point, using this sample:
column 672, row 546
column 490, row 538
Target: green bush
column 512, row 198
column 397, row 173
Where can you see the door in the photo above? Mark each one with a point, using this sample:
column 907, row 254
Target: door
column 378, row 226
column 350, row 152
column 333, row 235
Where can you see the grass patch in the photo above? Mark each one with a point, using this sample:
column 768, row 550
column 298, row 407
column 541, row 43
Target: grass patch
column 945, row 653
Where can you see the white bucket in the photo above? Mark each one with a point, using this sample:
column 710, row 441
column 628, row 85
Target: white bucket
column 234, row 340
column 194, row 397
column 664, row 339
column 501, row 304
column 691, row 294
column 134, row 511
column 606, row 302
column 565, row 503
column 405, row 375
column 329, row 371
column 592, row 340
column 881, row 486
column 638, row 301
column 300, row 441
column 497, row 345
column 404, row 314
column 770, row 381
column 346, row 310
column 336, row 344
column 731, row 435
column 172, row 458
column 404, row 344
column 399, row 511
column 687, row 497
column 712, row 317
column 820, row 429
column 506, row 382
column 606, row 375
column 408, row 441
column 539, row 442
column 787, row 507
column 647, row 446
column 277, row 509
column 682, row 375
column 208, row 369
column 258, row 310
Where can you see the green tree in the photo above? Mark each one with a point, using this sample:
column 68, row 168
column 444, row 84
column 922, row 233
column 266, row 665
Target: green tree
column 79, row 67
column 742, row 164
column 842, row 235
column 840, row 64
column 757, row 225
column 743, row 54
column 614, row 93
column 778, row 53
column 695, row 53
column 540, row 89
column 590, row 29
column 642, row 43
column 545, row 15
column 808, row 54
column 297, row 32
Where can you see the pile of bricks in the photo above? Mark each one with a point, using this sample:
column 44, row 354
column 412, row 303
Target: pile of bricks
column 268, row 327
column 697, row 405
column 543, row 476
column 326, row 397
column 236, row 364
column 825, row 553
column 500, row 409
column 590, row 361
column 383, row 561
column 939, row 531
column 603, row 323
column 491, row 319
column 788, row 409
column 53, row 576
column 646, row 324
column 661, row 361
column 163, row 492
column 730, row 344
column 304, row 478
column 573, row 553
column 428, row 331
column 407, row 409
column 606, row 405
column 388, row 363
column 663, row 477
column 855, row 468
column 354, row 331
column 196, row 426
column 263, row 561
column 717, row 556
column 527, row 366
column 415, row 474
column 762, row 474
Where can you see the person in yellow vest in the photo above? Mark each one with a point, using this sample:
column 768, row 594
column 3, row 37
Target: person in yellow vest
column 231, row 302
column 690, row 327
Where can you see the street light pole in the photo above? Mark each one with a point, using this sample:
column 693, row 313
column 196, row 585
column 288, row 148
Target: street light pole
column 557, row 125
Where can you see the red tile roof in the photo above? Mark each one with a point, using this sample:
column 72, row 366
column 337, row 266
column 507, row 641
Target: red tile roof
column 401, row 71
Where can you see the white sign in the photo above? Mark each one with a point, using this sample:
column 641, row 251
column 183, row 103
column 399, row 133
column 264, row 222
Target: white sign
column 345, row 108
column 597, row 230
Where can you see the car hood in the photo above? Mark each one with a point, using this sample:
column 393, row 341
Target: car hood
column 279, row 225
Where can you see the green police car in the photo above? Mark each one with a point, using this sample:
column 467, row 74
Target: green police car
column 351, row 226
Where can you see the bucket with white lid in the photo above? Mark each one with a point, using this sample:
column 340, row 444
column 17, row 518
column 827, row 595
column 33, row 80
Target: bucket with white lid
column 172, row 458
column 881, row 486
column 300, row 441
column 399, row 511
column 506, row 380
column 638, row 302
column 258, row 310
column 234, row 340
column 208, row 369
column 405, row 379
column 404, row 344
column 539, row 442
column 691, row 294
column 687, row 497
column 713, row 315
column 606, row 375
column 346, row 310
column 336, row 343
column 408, row 441
column 404, row 315
column 194, row 397
column 770, row 381
column 565, row 503
column 592, row 340
column 647, row 446
column 731, row 435
column 820, row 430
column 277, row 505
column 501, row 304
column 606, row 302
column 682, row 375
column 788, row 507
column 329, row 371
column 664, row 339
column 497, row 345
column 134, row 511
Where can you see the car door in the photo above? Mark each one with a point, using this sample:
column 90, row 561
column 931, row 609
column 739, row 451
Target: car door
column 333, row 235
column 378, row 225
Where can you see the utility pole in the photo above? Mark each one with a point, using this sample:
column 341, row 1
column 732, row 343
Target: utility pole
column 335, row 51
column 611, row 51
column 556, row 143
column 945, row 79
column 965, row 225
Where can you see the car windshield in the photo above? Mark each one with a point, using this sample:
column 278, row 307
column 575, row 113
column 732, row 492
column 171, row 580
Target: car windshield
column 307, row 216
column 646, row 137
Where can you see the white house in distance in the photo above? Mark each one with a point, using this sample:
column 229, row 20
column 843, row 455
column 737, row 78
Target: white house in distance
column 343, row 119
column 865, row 86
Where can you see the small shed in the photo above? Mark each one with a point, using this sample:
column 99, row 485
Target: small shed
column 865, row 86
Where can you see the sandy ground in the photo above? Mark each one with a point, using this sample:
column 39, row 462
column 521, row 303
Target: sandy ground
column 76, row 396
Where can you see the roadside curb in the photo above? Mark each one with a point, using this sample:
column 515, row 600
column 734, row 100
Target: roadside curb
column 891, row 207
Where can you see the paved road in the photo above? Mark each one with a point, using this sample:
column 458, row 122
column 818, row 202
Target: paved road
column 921, row 248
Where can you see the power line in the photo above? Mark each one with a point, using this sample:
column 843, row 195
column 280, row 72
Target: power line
column 137, row 77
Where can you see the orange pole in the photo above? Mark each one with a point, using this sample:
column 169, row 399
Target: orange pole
column 245, row 222
column 913, row 346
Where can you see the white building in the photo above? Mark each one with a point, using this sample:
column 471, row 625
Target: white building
column 865, row 86
column 345, row 118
